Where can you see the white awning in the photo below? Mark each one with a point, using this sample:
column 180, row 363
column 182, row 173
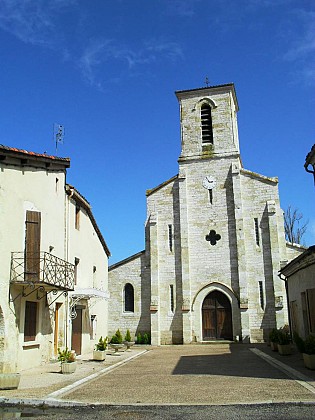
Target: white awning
column 89, row 293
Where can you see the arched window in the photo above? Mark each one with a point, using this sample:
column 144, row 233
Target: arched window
column 129, row 298
column 206, row 124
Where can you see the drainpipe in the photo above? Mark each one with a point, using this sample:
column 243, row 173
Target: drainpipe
column 66, row 221
column 285, row 279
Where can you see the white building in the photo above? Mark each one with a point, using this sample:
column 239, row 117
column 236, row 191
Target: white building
column 53, row 263
column 214, row 240
column 299, row 276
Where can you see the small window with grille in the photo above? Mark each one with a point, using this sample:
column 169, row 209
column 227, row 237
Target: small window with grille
column 261, row 295
column 170, row 237
column 257, row 231
column 172, row 298
column 206, row 124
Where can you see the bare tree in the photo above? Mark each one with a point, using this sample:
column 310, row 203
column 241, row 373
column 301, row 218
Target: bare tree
column 293, row 226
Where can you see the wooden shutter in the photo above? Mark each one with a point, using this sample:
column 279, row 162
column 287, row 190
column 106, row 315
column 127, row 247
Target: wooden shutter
column 311, row 308
column 30, row 321
column 32, row 245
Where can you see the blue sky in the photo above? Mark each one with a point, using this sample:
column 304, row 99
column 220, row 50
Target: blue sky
column 107, row 71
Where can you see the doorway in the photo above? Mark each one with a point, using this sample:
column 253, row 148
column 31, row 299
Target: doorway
column 77, row 332
column 216, row 317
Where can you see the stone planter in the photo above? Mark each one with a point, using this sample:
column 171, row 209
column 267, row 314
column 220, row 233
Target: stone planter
column 309, row 361
column 68, row 367
column 284, row 349
column 9, row 380
column 129, row 344
column 116, row 347
column 274, row 346
column 99, row 355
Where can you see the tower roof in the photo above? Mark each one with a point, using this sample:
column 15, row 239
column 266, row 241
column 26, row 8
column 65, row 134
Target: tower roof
column 207, row 90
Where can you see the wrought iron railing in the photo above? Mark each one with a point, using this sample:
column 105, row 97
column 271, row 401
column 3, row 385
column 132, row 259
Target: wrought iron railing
column 42, row 267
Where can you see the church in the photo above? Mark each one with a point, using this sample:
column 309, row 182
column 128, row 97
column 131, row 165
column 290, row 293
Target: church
column 214, row 240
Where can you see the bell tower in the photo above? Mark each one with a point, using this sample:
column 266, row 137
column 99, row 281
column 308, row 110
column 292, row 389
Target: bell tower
column 208, row 119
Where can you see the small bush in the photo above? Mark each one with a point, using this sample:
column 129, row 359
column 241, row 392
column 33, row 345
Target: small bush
column 273, row 335
column 119, row 336
column 309, row 345
column 139, row 338
column 128, row 336
column 114, row 340
column 300, row 344
column 284, row 335
column 66, row 355
column 102, row 344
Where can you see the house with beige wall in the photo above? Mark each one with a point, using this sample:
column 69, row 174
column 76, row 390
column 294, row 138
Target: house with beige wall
column 299, row 277
column 214, row 240
column 53, row 263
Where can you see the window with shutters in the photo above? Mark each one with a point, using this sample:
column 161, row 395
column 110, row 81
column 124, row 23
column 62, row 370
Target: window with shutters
column 206, row 124
column 32, row 245
column 129, row 298
column 30, row 323
column 77, row 217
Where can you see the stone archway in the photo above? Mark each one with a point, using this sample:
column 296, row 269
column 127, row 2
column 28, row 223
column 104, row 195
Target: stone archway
column 216, row 317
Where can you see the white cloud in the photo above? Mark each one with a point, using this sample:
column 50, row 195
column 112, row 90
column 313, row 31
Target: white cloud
column 32, row 21
column 102, row 52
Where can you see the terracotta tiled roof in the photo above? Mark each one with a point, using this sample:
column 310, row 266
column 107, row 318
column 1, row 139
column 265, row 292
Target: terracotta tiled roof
column 18, row 152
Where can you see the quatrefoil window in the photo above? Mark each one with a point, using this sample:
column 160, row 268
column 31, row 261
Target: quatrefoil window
column 213, row 237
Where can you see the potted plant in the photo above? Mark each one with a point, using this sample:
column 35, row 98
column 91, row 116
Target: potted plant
column 273, row 338
column 284, row 341
column 309, row 352
column 67, row 359
column 100, row 347
column 116, row 342
column 128, row 343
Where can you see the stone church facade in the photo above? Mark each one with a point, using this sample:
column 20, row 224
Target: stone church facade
column 214, row 240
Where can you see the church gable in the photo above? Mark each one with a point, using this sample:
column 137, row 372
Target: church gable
column 214, row 236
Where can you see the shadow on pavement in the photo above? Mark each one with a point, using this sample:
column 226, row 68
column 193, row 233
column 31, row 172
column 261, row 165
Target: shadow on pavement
column 240, row 361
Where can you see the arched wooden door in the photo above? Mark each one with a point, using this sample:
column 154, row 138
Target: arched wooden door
column 216, row 317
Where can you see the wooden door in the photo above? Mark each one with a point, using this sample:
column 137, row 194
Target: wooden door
column 216, row 317
column 32, row 245
column 77, row 332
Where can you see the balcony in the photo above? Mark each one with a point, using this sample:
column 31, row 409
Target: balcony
column 41, row 268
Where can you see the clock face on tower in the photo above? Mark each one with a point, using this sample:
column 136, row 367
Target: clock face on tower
column 209, row 182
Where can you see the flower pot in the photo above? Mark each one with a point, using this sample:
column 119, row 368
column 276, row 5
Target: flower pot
column 68, row 367
column 129, row 344
column 99, row 355
column 284, row 349
column 309, row 361
column 274, row 346
column 9, row 380
column 116, row 347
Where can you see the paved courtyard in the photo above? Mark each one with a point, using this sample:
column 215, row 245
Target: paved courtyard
column 185, row 375
column 218, row 374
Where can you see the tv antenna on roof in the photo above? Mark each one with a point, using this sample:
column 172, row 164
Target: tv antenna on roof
column 207, row 81
column 59, row 133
